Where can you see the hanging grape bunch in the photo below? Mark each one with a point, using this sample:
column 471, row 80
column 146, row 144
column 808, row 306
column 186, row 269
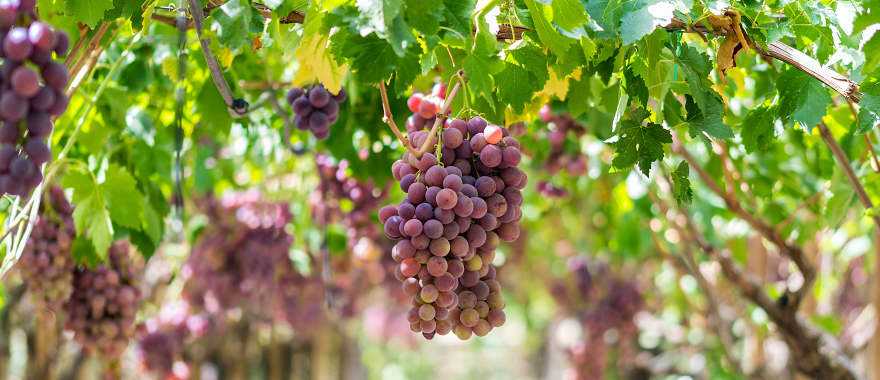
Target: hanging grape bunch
column 101, row 310
column 32, row 93
column 456, row 212
column 315, row 108
column 46, row 263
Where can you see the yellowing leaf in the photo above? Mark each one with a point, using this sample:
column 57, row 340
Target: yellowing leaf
column 316, row 62
column 558, row 87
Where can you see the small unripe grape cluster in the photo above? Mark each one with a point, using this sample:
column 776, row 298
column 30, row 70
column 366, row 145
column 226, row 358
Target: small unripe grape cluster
column 46, row 263
column 32, row 86
column 101, row 310
column 457, row 210
column 572, row 160
column 315, row 108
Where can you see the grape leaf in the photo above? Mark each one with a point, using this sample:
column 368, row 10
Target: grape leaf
column 481, row 63
column 757, row 129
column 232, row 23
column 635, row 86
column 569, row 14
column 519, row 86
column 698, row 122
column 869, row 113
column 695, row 66
column 383, row 18
column 89, row 12
column 316, row 62
column 128, row 9
column 801, row 98
column 639, row 145
column 557, row 43
column 124, row 200
column 643, row 17
column 681, row 184
column 92, row 219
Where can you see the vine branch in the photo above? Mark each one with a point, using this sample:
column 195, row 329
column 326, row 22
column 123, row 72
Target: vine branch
column 843, row 162
column 818, row 354
column 237, row 107
column 288, row 124
column 792, row 251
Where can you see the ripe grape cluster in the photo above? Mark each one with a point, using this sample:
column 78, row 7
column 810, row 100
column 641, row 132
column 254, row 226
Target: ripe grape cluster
column 457, row 210
column 46, row 263
column 361, row 199
column 32, row 87
column 315, row 108
column 162, row 340
column 561, row 157
column 240, row 261
column 603, row 302
column 101, row 310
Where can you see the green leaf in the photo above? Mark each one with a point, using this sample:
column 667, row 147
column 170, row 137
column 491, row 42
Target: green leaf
column 757, row 129
column 127, row 9
column 802, row 98
column 635, row 86
column 91, row 217
column 557, row 43
column 152, row 225
column 681, row 184
column 639, row 145
column 519, row 86
column 700, row 122
column 569, row 14
column 643, row 17
column 89, row 12
column 124, row 200
column 83, row 252
column 711, row 108
column 232, row 23
column 869, row 113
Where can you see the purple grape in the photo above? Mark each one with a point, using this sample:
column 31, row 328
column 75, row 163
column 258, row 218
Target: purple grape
column 25, row 82
column 318, row 96
column 16, row 45
column 12, row 107
column 37, row 151
column 41, row 36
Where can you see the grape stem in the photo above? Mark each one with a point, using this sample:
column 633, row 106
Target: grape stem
column 288, row 124
column 388, row 118
column 213, row 66
column 441, row 117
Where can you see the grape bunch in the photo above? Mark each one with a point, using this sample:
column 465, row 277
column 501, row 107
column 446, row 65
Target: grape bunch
column 32, row 88
column 101, row 310
column 238, row 258
column 456, row 212
column 562, row 156
column 46, row 263
column 337, row 187
column 315, row 108
column 602, row 301
column 162, row 339
column 241, row 262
